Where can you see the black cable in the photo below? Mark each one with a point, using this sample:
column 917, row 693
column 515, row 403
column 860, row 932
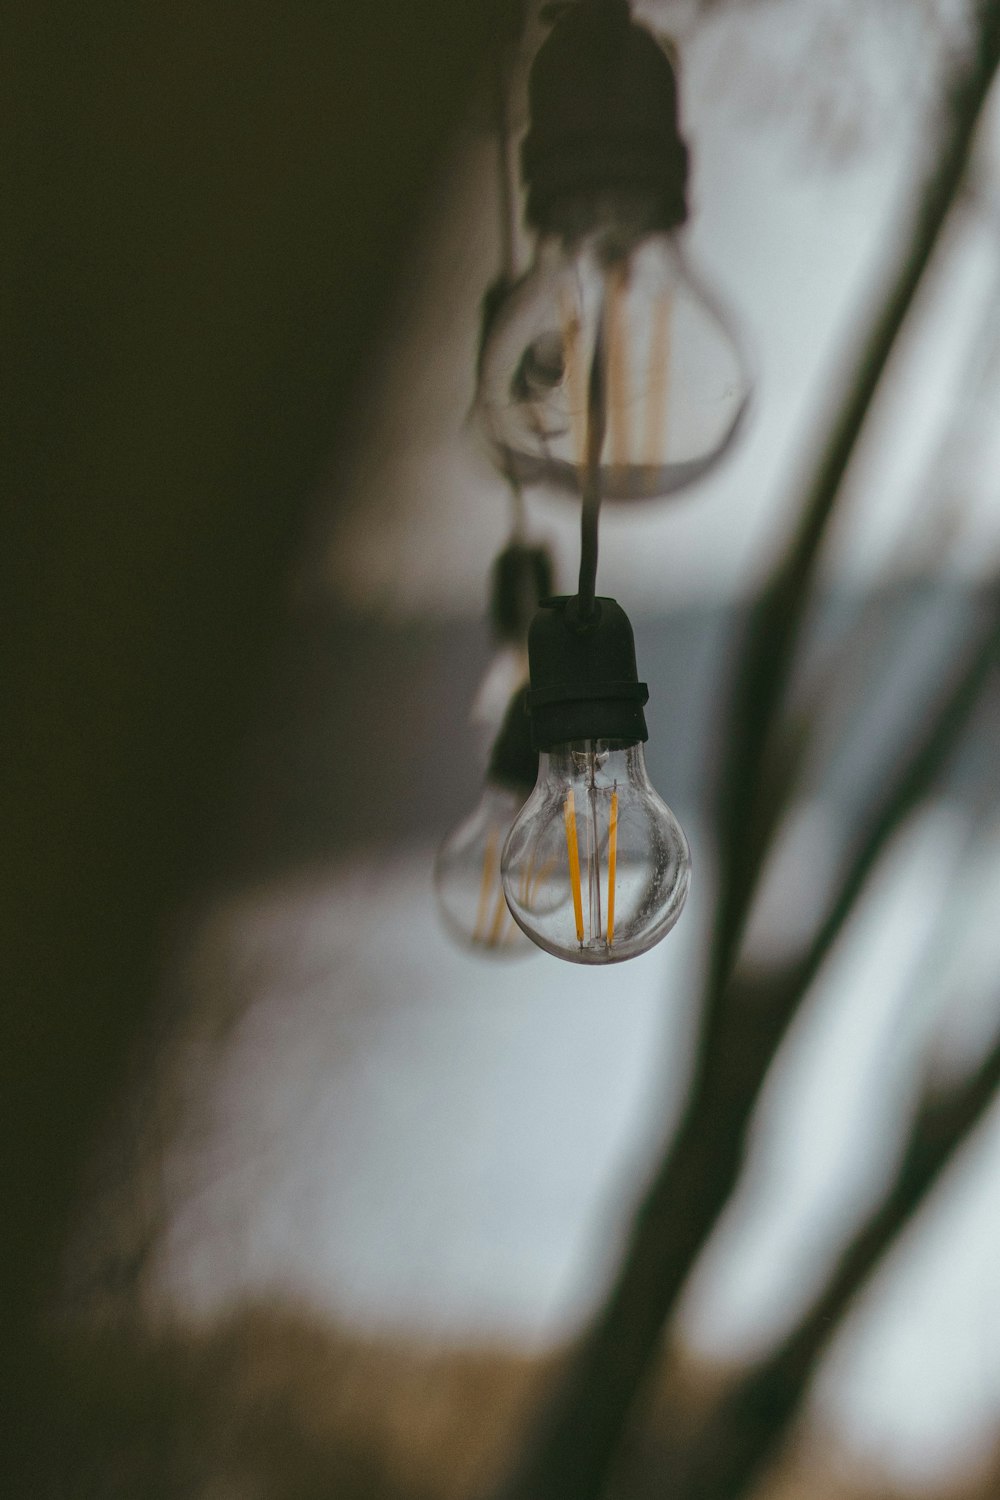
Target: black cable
column 591, row 496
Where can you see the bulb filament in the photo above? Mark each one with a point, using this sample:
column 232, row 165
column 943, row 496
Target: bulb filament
column 653, row 393
column 492, row 931
column 593, row 858
column 612, row 862
column 593, row 866
column 659, row 377
column 489, row 868
column 573, row 850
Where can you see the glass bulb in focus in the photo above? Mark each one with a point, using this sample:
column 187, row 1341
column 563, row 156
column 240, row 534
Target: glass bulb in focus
column 596, row 867
column 675, row 382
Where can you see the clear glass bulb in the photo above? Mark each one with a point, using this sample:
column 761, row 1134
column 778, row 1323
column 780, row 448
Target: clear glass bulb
column 467, row 876
column 596, row 867
column 675, row 382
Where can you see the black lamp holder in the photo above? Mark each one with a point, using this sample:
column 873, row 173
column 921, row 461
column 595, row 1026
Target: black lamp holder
column 604, row 129
column 584, row 680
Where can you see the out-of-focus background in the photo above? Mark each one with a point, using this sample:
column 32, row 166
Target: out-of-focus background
column 307, row 1200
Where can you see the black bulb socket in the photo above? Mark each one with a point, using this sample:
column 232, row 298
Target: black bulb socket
column 604, row 139
column 514, row 759
column 584, row 680
column 521, row 576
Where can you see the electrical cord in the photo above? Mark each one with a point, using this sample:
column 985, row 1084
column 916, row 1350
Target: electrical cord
column 591, row 496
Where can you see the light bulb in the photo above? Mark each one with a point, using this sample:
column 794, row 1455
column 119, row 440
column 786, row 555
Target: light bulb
column 596, row 867
column 467, row 867
column 675, row 385
column 605, row 167
column 467, row 876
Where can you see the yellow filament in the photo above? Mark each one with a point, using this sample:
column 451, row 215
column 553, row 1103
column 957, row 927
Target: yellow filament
column 573, row 850
column 659, row 382
column 498, row 915
column 612, row 862
column 618, row 392
column 486, row 885
column 576, row 385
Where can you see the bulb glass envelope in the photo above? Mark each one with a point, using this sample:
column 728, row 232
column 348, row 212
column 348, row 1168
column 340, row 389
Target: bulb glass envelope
column 596, row 867
column 467, row 876
column 675, row 381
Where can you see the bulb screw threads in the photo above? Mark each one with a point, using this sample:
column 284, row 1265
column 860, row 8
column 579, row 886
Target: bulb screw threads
column 604, row 126
column 584, row 680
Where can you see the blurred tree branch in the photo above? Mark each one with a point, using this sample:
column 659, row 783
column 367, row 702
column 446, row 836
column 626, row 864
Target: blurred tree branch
column 571, row 1452
column 923, row 762
column 748, row 1425
column 749, row 802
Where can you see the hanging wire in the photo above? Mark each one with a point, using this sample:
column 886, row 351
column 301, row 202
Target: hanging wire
column 591, row 496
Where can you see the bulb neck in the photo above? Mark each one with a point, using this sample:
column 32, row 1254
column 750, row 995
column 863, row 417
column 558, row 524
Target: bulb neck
column 600, row 763
column 584, row 680
column 605, row 132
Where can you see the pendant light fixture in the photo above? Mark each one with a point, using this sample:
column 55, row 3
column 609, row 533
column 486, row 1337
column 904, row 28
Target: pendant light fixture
column 605, row 167
column 596, row 867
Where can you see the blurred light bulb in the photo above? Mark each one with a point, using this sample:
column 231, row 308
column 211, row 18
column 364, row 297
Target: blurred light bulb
column 467, row 876
column 596, row 867
column 675, row 382
column 605, row 167
column 467, row 867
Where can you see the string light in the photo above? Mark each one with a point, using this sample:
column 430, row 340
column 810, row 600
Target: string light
column 595, row 868
column 611, row 371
